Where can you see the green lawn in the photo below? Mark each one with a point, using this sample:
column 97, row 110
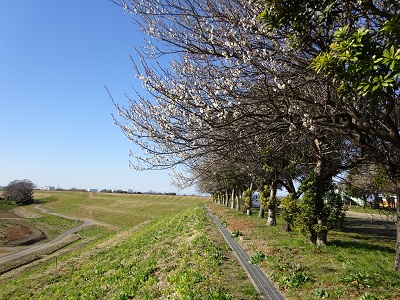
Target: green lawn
column 356, row 264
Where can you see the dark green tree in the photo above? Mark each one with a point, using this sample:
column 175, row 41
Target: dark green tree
column 289, row 211
column 315, row 216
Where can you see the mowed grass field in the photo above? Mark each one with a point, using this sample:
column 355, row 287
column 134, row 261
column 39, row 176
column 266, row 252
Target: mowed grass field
column 118, row 210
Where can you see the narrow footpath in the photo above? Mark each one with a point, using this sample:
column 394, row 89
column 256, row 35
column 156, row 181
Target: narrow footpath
column 35, row 248
column 256, row 275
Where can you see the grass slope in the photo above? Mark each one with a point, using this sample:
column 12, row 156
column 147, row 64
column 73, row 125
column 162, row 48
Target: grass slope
column 119, row 210
column 179, row 256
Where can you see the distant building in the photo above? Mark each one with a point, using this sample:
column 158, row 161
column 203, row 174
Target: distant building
column 48, row 188
column 93, row 190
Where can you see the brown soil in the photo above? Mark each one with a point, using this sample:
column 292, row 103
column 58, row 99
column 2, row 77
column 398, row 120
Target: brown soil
column 6, row 214
column 13, row 232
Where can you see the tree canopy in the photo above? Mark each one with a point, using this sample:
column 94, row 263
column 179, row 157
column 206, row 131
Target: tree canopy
column 20, row 191
column 267, row 92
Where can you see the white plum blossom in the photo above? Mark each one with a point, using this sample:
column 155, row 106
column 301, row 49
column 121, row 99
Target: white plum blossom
column 214, row 79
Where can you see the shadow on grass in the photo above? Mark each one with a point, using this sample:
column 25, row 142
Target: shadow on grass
column 45, row 200
column 366, row 234
column 381, row 229
column 361, row 245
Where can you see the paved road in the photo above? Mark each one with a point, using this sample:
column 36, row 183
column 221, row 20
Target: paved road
column 32, row 249
column 256, row 275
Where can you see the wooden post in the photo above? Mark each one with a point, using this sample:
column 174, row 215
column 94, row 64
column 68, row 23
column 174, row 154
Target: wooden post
column 55, row 270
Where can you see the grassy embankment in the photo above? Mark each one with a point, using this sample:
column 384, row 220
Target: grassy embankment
column 356, row 264
column 182, row 255
column 166, row 247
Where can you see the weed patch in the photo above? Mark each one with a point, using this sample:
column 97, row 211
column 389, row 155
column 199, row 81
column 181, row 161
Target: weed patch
column 294, row 281
column 257, row 258
column 236, row 234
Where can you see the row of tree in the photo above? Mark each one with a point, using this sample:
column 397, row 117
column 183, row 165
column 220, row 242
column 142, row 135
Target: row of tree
column 268, row 93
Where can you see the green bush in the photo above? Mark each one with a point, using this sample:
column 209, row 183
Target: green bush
column 360, row 280
column 321, row 293
column 236, row 233
column 247, row 198
column 317, row 215
column 294, row 281
column 368, row 296
column 224, row 223
column 264, row 196
column 289, row 210
column 257, row 258
column 219, row 295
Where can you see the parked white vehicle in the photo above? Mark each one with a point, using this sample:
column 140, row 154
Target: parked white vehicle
column 255, row 199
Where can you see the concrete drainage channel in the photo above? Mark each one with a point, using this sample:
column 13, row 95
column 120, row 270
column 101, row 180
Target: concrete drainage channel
column 256, row 275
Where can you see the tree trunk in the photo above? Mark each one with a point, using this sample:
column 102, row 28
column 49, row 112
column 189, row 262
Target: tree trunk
column 272, row 206
column 286, row 227
column 271, row 217
column 396, row 266
column 238, row 199
column 261, row 212
column 288, row 184
column 242, row 206
column 321, row 236
column 248, row 209
column 233, row 198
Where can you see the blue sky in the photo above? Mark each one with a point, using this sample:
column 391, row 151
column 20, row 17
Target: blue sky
column 55, row 114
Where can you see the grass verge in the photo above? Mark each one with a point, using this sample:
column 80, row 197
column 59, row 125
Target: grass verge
column 356, row 264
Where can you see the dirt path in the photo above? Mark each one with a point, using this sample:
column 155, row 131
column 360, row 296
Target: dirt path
column 44, row 246
column 16, row 232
